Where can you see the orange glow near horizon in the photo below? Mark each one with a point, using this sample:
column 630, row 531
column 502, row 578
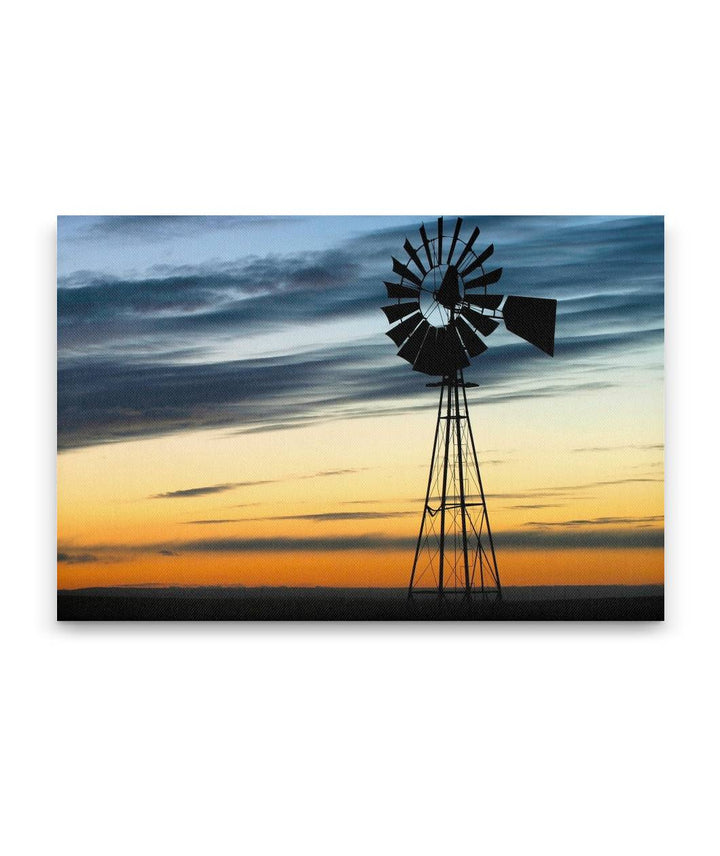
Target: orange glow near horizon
column 361, row 569
column 543, row 468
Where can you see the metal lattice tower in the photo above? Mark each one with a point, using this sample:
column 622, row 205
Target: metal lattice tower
column 455, row 553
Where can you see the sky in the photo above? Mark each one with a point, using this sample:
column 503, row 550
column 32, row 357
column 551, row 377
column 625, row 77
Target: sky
column 231, row 412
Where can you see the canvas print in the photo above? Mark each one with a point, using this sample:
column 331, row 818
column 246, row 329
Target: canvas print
column 364, row 418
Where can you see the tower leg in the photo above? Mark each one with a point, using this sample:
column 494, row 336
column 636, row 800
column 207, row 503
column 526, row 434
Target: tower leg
column 427, row 492
column 495, row 574
column 443, row 500
column 461, row 473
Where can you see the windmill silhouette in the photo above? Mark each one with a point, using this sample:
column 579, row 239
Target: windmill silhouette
column 443, row 308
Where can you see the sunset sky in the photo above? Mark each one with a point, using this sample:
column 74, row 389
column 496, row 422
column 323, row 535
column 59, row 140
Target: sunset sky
column 231, row 412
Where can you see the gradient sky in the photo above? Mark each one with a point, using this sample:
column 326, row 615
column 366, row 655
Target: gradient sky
column 230, row 410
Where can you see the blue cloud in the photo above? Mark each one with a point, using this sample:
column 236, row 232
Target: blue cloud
column 142, row 354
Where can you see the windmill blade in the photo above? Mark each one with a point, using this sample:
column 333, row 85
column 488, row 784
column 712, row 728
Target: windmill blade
column 439, row 240
column 485, row 279
column 421, row 361
column 472, row 343
column 440, row 362
column 449, row 292
column 402, row 270
column 487, row 301
column 410, row 250
column 458, row 348
column 426, row 244
column 450, row 347
column 394, row 289
column 428, row 358
column 479, row 261
column 411, row 348
column 403, row 330
column 533, row 319
column 456, row 233
column 396, row 311
column 481, row 322
column 468, row 246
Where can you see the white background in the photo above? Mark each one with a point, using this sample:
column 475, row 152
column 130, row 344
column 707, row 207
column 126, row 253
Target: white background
column 520, row 739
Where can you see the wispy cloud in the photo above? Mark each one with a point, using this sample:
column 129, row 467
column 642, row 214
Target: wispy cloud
column 313, row 518
column 197, row 299
column 569, row 491
column 154, row 227
column 341, row 515
column 76, row 558
column 633, row 447
column 536, row 506
column 577, row 539
column 631, row 480
column 594, row 538
column 207, row 490
column 323, row 473
column 598, row 521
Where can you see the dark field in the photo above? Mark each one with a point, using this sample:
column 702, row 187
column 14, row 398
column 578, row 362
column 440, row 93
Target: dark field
column 547, row 603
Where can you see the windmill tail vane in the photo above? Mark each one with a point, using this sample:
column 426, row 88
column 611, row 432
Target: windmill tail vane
column 441, row 316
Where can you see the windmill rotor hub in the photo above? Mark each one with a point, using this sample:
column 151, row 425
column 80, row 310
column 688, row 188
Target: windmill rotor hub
column 445, row 309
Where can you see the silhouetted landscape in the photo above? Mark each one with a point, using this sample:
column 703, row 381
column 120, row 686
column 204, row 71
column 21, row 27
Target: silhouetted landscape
column 212, row 603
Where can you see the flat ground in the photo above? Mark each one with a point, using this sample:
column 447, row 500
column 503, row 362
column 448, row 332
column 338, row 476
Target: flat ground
column 548, row 603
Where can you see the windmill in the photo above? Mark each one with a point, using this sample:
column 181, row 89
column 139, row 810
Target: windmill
column 442, row 310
